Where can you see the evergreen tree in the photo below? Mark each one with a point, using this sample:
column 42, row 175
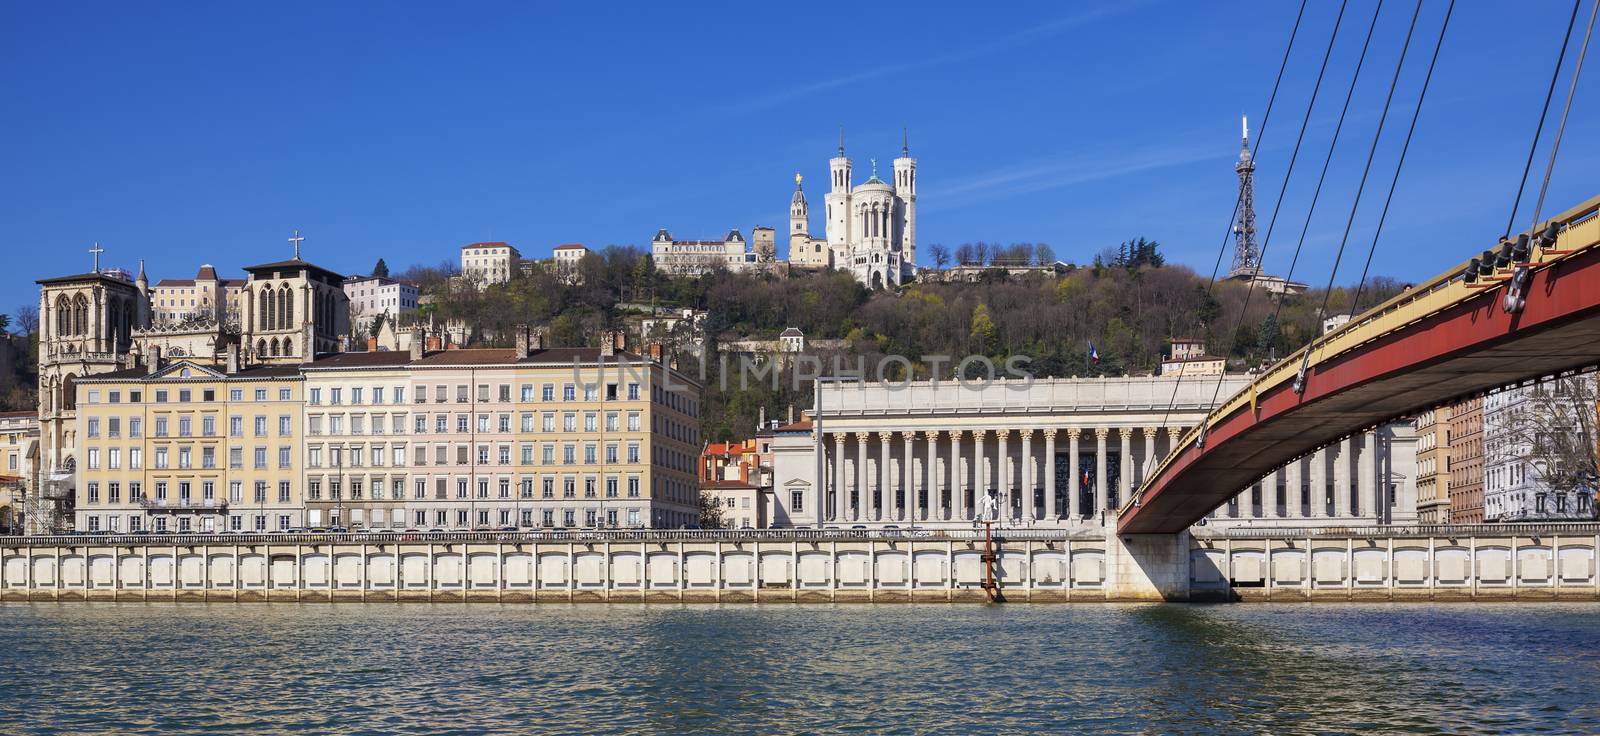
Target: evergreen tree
column 381, row 270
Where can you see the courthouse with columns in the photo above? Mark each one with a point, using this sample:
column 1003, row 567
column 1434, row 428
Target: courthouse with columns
column 1052, row 452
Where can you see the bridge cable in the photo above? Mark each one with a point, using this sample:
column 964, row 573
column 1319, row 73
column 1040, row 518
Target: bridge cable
column 1545, row 111
column 1384, row 216
column 1239, row 199
column 1560, row 129
column 1332, row 144
column 1272, row 223
column 1377, row 137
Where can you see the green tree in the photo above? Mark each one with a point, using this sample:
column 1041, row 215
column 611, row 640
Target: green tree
column 381, row 269
column 982, row 335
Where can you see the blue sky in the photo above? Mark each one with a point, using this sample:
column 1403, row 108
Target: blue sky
column 186, row 133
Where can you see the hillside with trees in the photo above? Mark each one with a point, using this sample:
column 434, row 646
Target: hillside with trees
column 1130, row 303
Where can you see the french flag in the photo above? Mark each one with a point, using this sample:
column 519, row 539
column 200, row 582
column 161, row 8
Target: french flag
column 1094, row 355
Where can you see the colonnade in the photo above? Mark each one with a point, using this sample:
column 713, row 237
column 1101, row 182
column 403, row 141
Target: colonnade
column 1351, row 478
column 1026, row 475
column 1054, row 475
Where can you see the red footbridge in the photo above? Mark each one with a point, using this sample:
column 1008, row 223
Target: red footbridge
column 1529, row 308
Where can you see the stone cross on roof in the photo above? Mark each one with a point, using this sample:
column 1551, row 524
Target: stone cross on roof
column 97, row 250
column 296, row 242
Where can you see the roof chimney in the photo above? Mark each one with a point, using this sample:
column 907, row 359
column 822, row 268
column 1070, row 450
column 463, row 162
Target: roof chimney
column 522, row 340
column 154, row 364
column 417, row 342
column 608, row 344
column 791, row 414
column 539, row 339
column 233, row 358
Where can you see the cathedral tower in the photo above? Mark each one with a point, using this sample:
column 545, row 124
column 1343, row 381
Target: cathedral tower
column 905, row 190
column 838, row 224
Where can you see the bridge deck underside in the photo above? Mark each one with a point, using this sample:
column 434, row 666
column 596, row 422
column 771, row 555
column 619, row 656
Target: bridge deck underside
column 1466, row 349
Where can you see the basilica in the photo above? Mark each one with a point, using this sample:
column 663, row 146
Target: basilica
column 870, row 230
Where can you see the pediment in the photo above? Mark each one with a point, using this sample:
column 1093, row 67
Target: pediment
column 186, row 370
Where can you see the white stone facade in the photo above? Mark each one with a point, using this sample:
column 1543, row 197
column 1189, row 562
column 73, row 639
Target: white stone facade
column 371, row 296
column 1080, row 445
column 489, row 263
column 696, row 257
column 870, row 229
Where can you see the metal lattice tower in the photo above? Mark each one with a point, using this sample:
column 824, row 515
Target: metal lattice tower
column 1246, row 255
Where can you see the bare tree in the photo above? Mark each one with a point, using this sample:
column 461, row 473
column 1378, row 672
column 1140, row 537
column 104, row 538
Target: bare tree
column 940, row 255
column 966, row 254
column 1043, row 255
column 980, row 253
column 27, row 319
column 1547, row 433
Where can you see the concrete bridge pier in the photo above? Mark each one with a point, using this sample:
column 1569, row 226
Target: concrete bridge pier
column 1146, row 567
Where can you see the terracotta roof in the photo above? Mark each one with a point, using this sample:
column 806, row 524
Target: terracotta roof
column 16, row 414
column 373, row 359
column 268, row 371
column 804, row 425
column 571, row 246
column 495, row 244
column 471, row 356
column 175, row 282
column 206, row 273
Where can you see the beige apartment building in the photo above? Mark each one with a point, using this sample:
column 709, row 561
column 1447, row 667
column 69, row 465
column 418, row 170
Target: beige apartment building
column 525, row 437
column 19, row 453
column 1433, row 463
column 186, row 447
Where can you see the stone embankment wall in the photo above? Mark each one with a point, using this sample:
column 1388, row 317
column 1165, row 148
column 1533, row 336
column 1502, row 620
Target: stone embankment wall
column 799, row 566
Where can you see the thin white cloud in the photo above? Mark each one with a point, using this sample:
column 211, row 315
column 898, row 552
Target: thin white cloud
column 1022, row 179
column 1003, row 43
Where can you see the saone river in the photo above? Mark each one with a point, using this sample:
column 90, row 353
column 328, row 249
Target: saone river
column 78, row 668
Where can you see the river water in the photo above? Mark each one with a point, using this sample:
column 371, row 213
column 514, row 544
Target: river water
column 743, row 669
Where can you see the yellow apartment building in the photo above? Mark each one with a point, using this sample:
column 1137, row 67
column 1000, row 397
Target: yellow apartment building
column 186, row 447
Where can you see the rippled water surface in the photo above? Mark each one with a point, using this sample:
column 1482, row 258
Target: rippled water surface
column 1091, row 668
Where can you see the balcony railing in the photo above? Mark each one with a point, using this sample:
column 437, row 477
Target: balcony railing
column 181, row 504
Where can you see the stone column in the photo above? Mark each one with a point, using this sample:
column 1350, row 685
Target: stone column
column 1149, row 463
column 861, row 478
column 1269, row 494
column 1341, row 478
column 1003, row 470
column 1100, row 471
column 1319, row 484
column 908, row 493
column 1367, row 498
column 1125, row 483
column 958, row 480
column 1294, row 481
column 881, row 501
column 839, row 482
column 1030, row 476
column 1051, row 508
column 980, row 476
column 930, row 476
column 1074, row 484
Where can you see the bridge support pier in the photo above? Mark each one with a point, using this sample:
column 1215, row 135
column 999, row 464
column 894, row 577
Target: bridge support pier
column 1146, row 567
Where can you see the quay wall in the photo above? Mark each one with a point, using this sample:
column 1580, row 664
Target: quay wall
column 750, row 566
